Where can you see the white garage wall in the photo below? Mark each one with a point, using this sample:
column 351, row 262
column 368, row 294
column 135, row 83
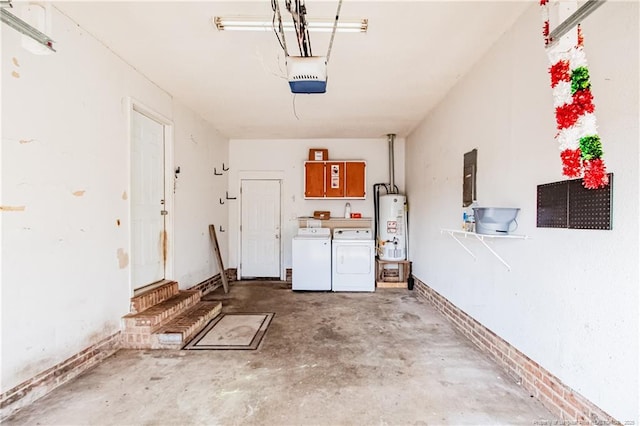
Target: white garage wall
column 198, row 149
column 571, row 300
column 64, row 174
column 286, row 158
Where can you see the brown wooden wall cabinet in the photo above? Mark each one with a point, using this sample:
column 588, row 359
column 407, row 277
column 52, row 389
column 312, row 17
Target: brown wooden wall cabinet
column 335, row 179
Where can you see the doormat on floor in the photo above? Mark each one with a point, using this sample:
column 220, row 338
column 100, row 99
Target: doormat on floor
column 232, row 331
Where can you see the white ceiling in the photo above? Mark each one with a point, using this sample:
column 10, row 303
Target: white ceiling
column 385, row 81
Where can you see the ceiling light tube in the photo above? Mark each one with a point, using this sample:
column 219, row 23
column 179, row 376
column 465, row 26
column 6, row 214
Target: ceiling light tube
column 266, row 24
column 19, row 25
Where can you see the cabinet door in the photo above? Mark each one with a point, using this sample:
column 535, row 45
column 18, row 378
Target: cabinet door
column 355, row 179
column 334, row 179
column 314, row 179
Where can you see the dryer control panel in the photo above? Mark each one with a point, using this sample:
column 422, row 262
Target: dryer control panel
column 352, row 234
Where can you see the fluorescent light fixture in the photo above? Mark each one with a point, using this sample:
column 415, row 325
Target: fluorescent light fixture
column 266, row 24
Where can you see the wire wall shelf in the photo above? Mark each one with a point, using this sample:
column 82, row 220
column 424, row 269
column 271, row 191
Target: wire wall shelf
column 459, row 236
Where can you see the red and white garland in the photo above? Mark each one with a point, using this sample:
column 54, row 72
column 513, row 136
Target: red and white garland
column 580, row 145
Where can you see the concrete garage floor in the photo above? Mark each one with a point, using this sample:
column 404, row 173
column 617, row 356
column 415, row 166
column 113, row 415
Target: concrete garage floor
column 385, row 358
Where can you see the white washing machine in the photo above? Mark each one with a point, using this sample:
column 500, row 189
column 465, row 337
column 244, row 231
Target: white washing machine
column 311, row 259
column 353, row 260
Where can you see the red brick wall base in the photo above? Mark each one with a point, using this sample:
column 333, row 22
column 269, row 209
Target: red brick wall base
column 557, row 397
column 210, row 284
column 43, row 383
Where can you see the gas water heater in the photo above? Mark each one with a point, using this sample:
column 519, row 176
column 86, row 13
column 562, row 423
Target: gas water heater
column 392, row 227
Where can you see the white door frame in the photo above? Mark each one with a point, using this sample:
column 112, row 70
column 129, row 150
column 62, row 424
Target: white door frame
column 133, row 104
column 260, row 175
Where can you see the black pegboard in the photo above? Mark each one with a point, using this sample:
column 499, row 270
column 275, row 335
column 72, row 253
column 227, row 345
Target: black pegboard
column 590, row 208
column 553, row 205
column 568, row 204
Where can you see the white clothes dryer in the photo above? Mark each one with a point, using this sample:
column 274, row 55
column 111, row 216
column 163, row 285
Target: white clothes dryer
column 353, row 260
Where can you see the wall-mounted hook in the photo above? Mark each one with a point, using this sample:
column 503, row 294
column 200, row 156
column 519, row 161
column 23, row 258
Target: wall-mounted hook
column 221, row 229
column 224, row 169
column 230, row 198
column 215, row 172
column 221, row 202
column 177, row 172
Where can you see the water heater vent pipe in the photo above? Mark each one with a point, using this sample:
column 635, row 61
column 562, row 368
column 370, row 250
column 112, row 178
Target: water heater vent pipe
column 392, row 186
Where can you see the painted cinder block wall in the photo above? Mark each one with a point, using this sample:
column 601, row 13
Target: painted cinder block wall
column 64, row 172
column 571, row 300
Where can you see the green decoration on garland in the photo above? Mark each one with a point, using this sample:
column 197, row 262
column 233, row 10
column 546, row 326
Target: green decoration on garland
column 580, row 79
column 591, row 147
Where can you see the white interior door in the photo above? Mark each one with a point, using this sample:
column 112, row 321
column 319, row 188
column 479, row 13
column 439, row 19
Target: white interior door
column 260, row 228
column 148, row 251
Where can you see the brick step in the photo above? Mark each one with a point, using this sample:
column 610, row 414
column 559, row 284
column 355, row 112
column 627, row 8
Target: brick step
column 159, row 294
column 177, row 332
column 162, row 312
